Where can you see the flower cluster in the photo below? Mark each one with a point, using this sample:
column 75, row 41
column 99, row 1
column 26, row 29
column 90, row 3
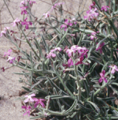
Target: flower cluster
column 104, row 8
column 31, row 99
column 52, row 52
column 26, row 23
column 25, row 4
column 68, row 23
column 77, row 54
column 92, row 13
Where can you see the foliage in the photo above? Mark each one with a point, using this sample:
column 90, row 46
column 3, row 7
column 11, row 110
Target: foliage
column 71, row 66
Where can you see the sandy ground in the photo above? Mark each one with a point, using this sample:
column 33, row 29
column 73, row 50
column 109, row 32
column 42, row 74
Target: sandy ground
column 10, row 105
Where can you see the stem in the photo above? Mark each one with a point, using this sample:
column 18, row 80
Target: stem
column 8, row 9
column 79, row 84
column 103, row 86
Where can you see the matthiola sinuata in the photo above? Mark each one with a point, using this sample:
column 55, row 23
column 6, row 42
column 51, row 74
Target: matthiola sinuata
column 113, row 68
column 52, row 52
column 77, row 51
column 100, row 47
column 68, row 23
column 102, row 77
column 31, row 99
column 92, row 13
column 4, row 32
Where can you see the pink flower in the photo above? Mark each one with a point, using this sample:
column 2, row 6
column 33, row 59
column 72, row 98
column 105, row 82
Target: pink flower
column 29, row 98
column 64, row 26
column 77, row 53
column 70, row 52
column 93, row 35
column 26, row 23
column 16, row 21
column 25, row 4
column 23, row 10
column 39, row 101
column 27, row 108
column 58, row 49
column 75, row 48
column 100, row 47
column 4, row 31
column 113, row 68
column 46, row 14
column 102, row 77
column 91, row 14
column 7, row 53
column 52, row 54
column 80, row 50
column 68, row 23
column 104, row 8
column 70, row 62
column 31, row 3
column 92, row 5
column 79, row 60
column 11, row 59
column 73, row 20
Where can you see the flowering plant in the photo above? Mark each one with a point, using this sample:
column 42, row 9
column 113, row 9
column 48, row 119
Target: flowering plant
column 71, row 72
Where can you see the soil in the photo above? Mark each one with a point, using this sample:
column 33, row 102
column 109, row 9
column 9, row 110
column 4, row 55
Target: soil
column 10, row 103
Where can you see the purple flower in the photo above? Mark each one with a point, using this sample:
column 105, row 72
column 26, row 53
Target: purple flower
column 76, row 49
column 58, row 49
column 7, row 53
column 104, row 8
column 31, row 3
column 102, row 77
column 92, row 5
column 39, row 101
column 77, row 53
column 27, row 108
column 93, row 35
column 11, row 59
column 16, row 21
column 25, row 4
column 68, row 23
column 70, row 62
column 52, row 54
column 46, row 14
column 100, row 47
column 113, row 68
column 4, row 31
column 24, row 10
column 64, row 26
column 79, row 60
column 69, row 52
column 29, row 98
column 91, row 14
column 26, row 23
